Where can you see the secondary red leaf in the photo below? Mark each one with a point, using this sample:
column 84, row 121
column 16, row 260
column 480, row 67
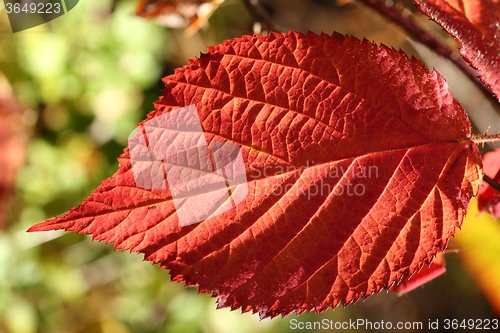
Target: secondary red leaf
column 358, row 168
column 489, row 198
column 475, row 24
column 11, row 145
column 426, row 274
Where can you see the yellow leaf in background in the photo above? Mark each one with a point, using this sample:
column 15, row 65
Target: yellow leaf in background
column 480, row 240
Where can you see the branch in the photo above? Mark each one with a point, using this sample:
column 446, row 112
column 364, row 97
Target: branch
column 260, row 14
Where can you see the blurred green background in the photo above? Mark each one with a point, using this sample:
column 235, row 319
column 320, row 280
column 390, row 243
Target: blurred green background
column 84, row 80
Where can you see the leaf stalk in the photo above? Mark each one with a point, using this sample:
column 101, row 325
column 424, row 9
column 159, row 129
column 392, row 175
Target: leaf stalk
column 493, row 183
column 485, row 138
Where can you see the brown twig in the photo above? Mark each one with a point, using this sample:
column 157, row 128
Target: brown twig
column 260, row 14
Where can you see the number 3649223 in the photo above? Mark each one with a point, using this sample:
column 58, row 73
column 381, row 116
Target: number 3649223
column 478, row 324
column 33, row 7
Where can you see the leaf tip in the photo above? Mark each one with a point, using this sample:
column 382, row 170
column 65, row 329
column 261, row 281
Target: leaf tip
column 43, row 226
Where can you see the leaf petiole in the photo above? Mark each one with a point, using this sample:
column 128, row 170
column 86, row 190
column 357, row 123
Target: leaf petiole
column 485, row 138
column 493, row 183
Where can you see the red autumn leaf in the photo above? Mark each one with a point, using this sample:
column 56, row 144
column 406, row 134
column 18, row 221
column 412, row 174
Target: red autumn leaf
column 489, row 198
column 11, row 145
column 358, row 170
column 475, row 24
